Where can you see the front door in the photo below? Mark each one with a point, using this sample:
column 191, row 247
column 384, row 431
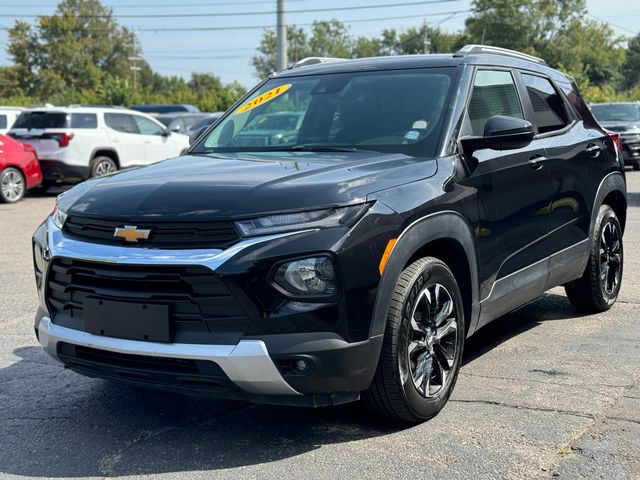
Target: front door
column 514, row 191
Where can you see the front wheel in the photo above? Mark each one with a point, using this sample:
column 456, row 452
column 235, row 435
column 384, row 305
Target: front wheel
column 423, row 344
column 598, row 288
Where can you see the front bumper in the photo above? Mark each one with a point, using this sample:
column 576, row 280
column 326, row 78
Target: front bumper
column 256, row 366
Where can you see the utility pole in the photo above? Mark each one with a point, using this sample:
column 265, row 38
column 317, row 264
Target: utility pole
column 426, row 43
column 134, row 59
column 281, row 39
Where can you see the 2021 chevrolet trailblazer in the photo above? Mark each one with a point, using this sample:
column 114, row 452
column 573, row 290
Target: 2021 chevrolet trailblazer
column 347, row 254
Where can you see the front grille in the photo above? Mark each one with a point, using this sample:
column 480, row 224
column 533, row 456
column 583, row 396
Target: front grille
column 201, row 307
column 162, row 235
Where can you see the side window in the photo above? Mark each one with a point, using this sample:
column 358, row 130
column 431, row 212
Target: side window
column 147, row 127
column 120, row 122
column 3, row 121
column 548, row 107
column 494, row 93
column 84, row 120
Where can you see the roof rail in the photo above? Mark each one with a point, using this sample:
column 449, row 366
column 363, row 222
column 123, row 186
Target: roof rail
column 316, row 60
column 475, row 49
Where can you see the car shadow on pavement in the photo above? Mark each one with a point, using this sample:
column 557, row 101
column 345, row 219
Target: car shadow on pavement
column 548, row 307
column 56, row 423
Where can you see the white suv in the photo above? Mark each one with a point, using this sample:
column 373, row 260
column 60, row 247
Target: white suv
column 76, row 143
column 8, row 115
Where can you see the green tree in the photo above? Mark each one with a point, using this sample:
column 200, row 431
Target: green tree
column 524, row 25
column 412, row 41
column 631, row 67
column 72, row 50
column 324, row 39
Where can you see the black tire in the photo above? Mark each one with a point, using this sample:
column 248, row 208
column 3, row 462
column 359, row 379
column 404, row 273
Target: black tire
column 12, row 185
column 636, row 166
column 596, row 291
column 103, row 165
column 394, row 391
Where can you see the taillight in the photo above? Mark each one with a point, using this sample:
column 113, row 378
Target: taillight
column 64, row 139
column 617, row 141
column 29, row 148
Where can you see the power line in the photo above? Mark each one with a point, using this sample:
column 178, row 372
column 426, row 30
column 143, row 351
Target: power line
column 262, row 27
column 236, row 14
column 173, row 5
column 619, row 27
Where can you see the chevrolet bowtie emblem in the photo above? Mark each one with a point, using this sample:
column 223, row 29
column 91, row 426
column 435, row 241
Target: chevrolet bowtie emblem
column 132, row 233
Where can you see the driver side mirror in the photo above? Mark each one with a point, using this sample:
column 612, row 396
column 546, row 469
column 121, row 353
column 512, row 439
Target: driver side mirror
column 501, row 133
column 166, row 132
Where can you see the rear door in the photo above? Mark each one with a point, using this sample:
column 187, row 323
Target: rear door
column 124, row 135
column 157, row 145
column 513, row 188
column 576, row 162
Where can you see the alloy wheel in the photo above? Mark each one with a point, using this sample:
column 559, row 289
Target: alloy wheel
column 105, row 167
column 610, row 257
column 432, row 339
column 12, row 185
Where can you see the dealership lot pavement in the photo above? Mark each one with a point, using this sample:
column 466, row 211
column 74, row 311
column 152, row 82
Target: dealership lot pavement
column 544, row 393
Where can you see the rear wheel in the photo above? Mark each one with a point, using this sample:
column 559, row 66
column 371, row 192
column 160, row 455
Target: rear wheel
column 423, row 344
column 12, row 185
column 102, row 165
column 598, row 288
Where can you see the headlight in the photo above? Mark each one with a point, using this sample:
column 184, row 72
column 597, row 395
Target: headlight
column 330, row 217
column 58, row 217
column 312, row 277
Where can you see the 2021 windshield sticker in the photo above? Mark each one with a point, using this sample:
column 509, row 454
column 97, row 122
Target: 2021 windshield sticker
column 264, row 98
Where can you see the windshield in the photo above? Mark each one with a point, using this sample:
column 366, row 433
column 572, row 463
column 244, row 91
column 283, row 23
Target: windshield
column 620, row 112
column 388, row 111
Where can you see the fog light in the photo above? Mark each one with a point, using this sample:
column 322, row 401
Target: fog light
column 301, row 366
column 310, row 276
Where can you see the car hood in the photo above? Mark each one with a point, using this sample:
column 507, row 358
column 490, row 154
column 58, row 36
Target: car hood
column 241, row 185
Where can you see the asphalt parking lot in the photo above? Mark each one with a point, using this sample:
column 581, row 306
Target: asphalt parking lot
column 544, row 393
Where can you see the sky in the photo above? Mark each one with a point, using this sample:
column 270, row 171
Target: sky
column 201, row 39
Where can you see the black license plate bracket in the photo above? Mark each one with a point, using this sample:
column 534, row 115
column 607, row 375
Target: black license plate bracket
column 130, row 321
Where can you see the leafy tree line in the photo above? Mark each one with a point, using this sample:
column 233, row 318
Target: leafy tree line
column 606, row 66
column 81, row 55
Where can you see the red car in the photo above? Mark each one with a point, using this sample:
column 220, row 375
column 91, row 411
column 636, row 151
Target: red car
column 19, row 169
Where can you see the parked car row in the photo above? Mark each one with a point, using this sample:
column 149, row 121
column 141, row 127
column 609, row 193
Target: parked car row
column 624, row 119
column 19, row 169
column 76, row 143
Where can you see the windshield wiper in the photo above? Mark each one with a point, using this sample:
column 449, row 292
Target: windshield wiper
column 323, row 148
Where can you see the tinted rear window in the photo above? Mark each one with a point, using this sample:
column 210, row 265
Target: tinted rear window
column 42, row 120
column 84, row 120
column 120, row 122
column 3, row 121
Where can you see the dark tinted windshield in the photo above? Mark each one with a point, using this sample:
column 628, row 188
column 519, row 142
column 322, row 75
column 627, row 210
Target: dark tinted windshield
column 42, row 120
column 388, row 111
column 623, row 112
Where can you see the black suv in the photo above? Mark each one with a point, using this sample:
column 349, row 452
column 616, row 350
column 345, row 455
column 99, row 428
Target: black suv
column 421, row 198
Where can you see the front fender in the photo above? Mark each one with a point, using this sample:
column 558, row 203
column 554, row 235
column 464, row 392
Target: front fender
column 436, row 226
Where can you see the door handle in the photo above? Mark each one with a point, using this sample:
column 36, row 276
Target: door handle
column 537, row 162
column 593, row 149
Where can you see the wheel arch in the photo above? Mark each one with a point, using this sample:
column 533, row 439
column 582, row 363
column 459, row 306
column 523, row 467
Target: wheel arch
column 446, row 236
column 613, row 192
column 106, row 152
